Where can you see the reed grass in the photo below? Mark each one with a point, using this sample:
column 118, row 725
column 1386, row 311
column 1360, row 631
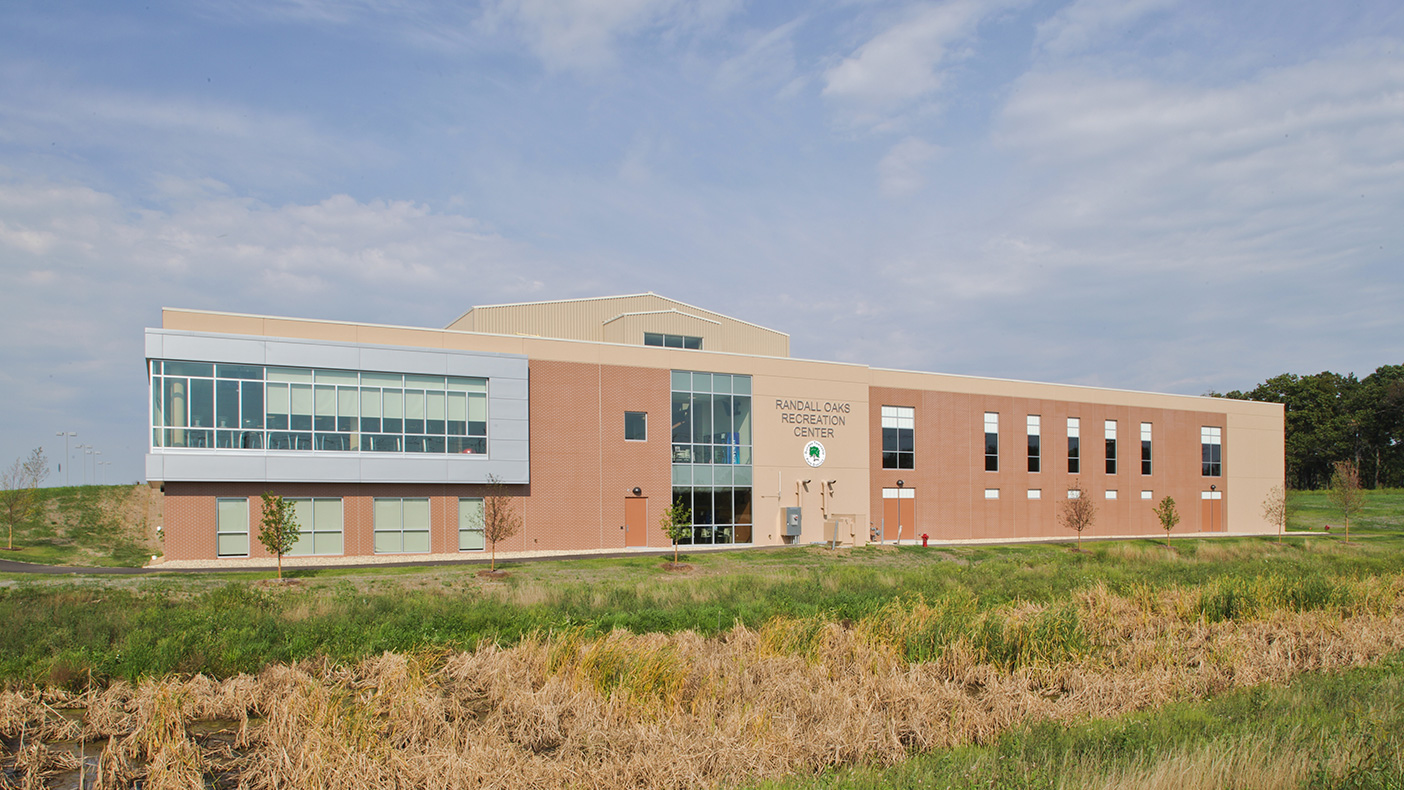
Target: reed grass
column 798, row 695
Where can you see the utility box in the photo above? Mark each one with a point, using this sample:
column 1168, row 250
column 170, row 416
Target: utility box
column 792, row 522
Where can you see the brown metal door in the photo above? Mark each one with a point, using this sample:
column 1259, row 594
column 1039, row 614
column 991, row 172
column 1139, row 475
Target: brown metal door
column 889, row 520
column 636, row 521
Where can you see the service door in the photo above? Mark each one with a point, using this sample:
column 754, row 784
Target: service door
column 1211, row 511
column 890, row 498
column 636, row 521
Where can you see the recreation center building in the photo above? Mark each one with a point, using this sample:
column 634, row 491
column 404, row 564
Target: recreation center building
column 595, row 415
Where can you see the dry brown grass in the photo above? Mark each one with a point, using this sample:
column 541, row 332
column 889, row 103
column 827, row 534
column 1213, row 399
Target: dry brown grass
column 680, row 710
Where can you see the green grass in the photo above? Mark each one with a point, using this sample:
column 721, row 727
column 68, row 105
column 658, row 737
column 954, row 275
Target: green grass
column 224, row 624
column 1351, row 723
column 80, row 525
column 1312, row 510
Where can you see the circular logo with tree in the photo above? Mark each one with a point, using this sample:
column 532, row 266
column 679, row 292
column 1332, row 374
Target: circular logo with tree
column 814, row 454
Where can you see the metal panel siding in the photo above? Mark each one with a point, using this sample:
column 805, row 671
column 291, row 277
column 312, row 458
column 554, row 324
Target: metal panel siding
column 586, row 319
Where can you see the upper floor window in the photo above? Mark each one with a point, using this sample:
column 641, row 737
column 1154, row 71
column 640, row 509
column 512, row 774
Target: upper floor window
column 672, row 341
column 1074, row 446
column 1145, row 448
column 1033, row 430
column 1111, row 446
column 253, row 407
column 635, row 426
column 991, row 441
column 1211, row 451
column 898, row 440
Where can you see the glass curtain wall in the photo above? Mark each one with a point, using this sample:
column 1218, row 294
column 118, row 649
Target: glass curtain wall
column 711, row 419
column 252, row 407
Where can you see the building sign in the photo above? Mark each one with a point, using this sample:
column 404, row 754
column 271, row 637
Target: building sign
column 814, row 454
column 814, row 418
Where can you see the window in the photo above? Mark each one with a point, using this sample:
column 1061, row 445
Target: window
column 1111, row 493
column 1074, row 459
column 1033, row 431
column 991, row 441
column 1035, row 493
column 1145, row 448
column 1111, row 446
column 470, row 524
column 672, row 341
column 635, row 426
column 232, row 527
column 401, row 526
column 1147, row 495
column 319, row 526
column 1211, row 450
column 898, row 440
column 711, row 436
column 253, row 407
column 1073, row 493
column 991, row 493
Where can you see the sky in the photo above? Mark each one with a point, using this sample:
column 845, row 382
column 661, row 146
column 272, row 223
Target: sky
column 1164, row 195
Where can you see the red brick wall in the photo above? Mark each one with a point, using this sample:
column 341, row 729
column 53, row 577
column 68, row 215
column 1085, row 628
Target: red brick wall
column 582, row 469
column 950, row 478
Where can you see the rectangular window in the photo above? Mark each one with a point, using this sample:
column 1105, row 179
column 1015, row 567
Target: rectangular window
column 1147, row 495
column 1111, row 446
column 319, row 527
column 635, row 426
column 1035, row 493
column 1211, row 450
column 898, row 437
column 711, row 434
column 1073, row 493
column 470, row 524
column 991, row 441
column 401, row 526
column 1074, row 446
column 232, row 527
column 1111, row 494
column 991, row 493
column 672, row 341
column 1033, row 430
column 1145, row 448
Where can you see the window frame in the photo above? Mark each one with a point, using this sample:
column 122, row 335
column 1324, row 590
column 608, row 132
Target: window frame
column 220, row 532
column 377, row 529
column 901, row 420
column 1074, row 445
column 1034, row 430
column 991, row 441
column 1211, row 449
column 1109, row 432
column 643, row 415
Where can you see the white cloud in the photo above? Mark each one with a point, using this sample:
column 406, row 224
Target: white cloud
column 1083, row 23
column 902, row 171
column 904, row 63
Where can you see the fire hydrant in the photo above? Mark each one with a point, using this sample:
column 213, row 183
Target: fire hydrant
column 923, row 540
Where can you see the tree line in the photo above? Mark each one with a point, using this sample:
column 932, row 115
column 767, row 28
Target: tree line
column 1330, row 418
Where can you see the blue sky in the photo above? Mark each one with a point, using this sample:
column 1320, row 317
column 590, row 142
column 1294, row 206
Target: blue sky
column 1147, row 194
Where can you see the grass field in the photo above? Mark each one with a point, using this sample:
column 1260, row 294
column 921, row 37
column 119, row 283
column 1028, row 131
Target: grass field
column 1215, row 662
column 103, row 526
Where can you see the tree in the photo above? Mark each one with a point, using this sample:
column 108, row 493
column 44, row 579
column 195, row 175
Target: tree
column 501, row 519
column 677, row 524
column 1077, row 512
column 19, row 491
column 278, row 530
column 1275, row 510
column 1345, row 491
column 1168, row 515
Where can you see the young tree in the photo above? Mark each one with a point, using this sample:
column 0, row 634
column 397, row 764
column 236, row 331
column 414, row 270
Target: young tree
column 501, row 519
column 1168, row 515
column 677, row 524
column 19, row 491
column 278, row 531
column 1078, row 511
column 1275, row 510
column 1345, row 491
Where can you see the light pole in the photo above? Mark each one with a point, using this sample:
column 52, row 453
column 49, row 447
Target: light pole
column 96, row 462
column 1213, row 506
column 66, row 436
column 900, row 483
column 83, row 461
column 86, row 452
